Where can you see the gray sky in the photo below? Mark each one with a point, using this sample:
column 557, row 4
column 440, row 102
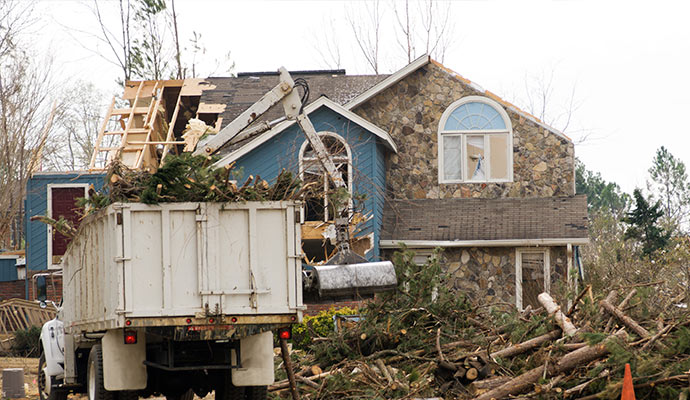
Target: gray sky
column 627, row 63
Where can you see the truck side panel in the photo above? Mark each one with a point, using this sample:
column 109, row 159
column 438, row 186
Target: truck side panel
column 183, row 259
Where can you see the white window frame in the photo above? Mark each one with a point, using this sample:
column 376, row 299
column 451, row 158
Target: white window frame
column 442, row 133
column 326, row 182
column 518, row 271
column 49, row 213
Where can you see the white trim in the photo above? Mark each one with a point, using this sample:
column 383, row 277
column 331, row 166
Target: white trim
column 394, row 244
column 49, row 214
column 442, row 133
column 349, row 169
column 518, row 271
column 389, row 81
column 320, row 102
column 9, row 257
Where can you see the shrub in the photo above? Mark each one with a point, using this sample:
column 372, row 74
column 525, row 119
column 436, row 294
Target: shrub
column 26, row 341
column 319, row 325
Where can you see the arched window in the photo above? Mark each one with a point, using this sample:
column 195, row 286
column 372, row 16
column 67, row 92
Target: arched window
column 317, row 207
column 475, row 142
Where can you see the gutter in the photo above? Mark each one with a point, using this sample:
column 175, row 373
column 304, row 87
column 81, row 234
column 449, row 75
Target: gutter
column 395, row 244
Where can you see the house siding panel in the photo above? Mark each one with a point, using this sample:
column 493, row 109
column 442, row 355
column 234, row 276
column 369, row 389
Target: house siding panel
column 282, row 152
column 36, row 204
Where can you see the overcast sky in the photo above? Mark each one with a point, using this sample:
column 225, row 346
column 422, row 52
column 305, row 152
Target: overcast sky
column 627, row 63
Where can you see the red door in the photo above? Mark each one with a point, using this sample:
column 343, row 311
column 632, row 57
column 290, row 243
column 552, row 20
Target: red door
column 63, row 204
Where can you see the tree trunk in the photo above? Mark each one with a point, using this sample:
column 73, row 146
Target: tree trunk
column 554, row 309
column 527, row 345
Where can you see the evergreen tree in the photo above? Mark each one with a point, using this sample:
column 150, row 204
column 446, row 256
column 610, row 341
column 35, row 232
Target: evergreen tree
column 601, row 195
column 669, row 184
column 644, row 224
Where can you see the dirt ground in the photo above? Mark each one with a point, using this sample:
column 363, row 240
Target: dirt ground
column 30, row 366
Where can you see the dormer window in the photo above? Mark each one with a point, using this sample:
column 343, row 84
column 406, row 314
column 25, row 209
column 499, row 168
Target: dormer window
column 475, row 142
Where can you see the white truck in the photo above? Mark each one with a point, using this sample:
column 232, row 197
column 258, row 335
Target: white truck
column 174, row 299
column 183, row 298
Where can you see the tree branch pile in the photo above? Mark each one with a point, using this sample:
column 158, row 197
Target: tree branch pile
column 425, row 341
column 191, row 178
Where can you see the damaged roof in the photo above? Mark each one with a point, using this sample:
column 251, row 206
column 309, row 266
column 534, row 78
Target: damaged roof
column 503, row 219
column 239, row 93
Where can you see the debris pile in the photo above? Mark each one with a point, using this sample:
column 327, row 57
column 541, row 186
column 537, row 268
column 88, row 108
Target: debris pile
column 191, row 178
column 425, row 341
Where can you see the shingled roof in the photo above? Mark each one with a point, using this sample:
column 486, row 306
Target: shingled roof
column 238, row 93
column 504, row 219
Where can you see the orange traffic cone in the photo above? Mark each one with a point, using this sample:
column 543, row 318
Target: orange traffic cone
column 628, row 392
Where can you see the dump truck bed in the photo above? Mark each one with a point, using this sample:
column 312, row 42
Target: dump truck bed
column 157, row 265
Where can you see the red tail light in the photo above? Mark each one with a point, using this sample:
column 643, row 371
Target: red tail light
column 285, row 333
column 130, row 337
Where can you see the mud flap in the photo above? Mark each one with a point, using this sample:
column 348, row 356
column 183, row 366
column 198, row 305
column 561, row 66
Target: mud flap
column 256, row 357
column 123, row 364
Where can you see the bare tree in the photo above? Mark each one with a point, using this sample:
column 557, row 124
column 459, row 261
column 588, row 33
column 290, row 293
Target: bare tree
column 25, row 116
column 366, row 27
column 544, row 102
column 77, row 122
column 120, row 41
column 327, row 44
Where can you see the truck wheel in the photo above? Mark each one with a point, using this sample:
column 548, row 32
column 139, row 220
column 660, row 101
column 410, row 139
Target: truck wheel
column 45, row 392
column 188, row 395
column 256, row 392
column 128, row 395
column 94, row 376
column 228, row 391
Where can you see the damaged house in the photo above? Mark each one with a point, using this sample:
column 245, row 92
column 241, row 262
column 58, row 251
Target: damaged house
column 433, row 160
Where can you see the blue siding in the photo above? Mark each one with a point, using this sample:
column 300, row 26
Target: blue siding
column 36, row 204
column 8, row 269
column 282, row 152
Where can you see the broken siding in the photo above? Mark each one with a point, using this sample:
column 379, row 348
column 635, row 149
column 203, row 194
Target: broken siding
column 368, row 169
column 37, row 204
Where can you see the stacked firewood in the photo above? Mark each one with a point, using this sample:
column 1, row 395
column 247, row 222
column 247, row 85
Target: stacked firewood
column 410, row 345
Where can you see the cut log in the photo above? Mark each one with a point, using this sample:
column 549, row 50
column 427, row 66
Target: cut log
column 526, row 345
column 478, row 387
column 471, row 374
column 629, row 322
column 621, row 305
column 554, row 309
column 571, row 360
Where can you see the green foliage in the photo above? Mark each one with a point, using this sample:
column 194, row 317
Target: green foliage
column 644, row 227
column 189, row 178
column 319, row 325
column 601, row 195
column 26, row 341
column 594, row 337
column 669, row 183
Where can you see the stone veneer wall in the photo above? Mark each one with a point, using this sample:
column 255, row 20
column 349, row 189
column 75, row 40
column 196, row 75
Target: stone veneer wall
column 543, row 162
column 487, row 274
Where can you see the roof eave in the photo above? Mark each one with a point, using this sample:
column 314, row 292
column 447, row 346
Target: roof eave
column 419, row 244
column 389, row 81
column 320, row 102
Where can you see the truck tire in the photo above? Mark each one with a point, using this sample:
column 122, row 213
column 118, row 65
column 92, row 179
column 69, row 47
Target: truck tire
column 127, row 395
column 228, row 391
column 94, row 376
column 256, row 392
column 46, row 393
column 188, row 395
